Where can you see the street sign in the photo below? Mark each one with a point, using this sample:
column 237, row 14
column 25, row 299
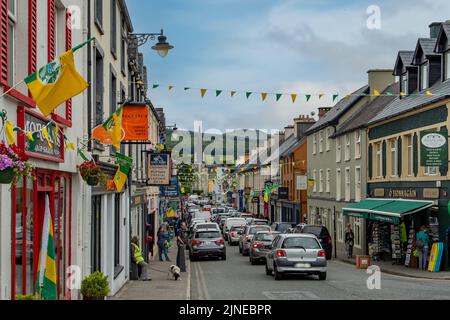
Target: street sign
column 302, row 183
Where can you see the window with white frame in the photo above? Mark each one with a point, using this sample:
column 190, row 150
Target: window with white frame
column 447, row 65
column 321, row 180
column 325, row 220
column 12, row 21
column 357, row 144
column 409, row 155
column 405, row 83
column 315, row 180
column 338, row 184
column 327, row 139
column 314, row 147
column 424, row 76
column 347, row 184
column 347, row 147
column 357, row 222
column 378, row 160
column 393, row 157
column 320, row 141
column 338, row 149
column 358, row 184
column 339, row 226
column 312, row 214
column 327, row 183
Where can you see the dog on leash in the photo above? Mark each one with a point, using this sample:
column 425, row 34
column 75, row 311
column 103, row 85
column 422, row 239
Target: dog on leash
column 174, row 273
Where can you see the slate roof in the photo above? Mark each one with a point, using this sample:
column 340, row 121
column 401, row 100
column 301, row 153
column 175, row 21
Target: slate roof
column 446, row 30
column 338, row 110
column 440, row 92
column 427, row 45
column 361, row 118
column 291, row 149
column 407, row 57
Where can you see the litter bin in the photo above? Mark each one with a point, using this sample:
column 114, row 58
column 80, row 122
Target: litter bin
column 362, row 262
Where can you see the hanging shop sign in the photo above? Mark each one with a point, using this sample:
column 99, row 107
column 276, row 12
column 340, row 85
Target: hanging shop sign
column 171, row 191
column 433, row 148
column 137, row 200
column 158, row 169
column 135, row 122
column 283, row 193
column 31, row 121
column 302, row 183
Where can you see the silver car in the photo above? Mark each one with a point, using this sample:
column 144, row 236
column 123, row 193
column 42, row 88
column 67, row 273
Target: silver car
column 247, row 237
column 296, row 253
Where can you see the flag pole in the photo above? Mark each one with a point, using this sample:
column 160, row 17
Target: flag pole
column 81, row 45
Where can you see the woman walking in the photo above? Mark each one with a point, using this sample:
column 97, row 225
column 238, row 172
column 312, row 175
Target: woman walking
column 163, row 240
column 423, row 247
column 349, row 241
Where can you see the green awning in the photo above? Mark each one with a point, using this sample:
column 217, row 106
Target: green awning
column 387, row 210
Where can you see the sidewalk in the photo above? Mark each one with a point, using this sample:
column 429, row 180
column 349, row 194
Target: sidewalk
column 400, row 270
column 160, row 288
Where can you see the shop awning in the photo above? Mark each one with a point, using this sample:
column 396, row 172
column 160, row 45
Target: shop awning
column 387, row 210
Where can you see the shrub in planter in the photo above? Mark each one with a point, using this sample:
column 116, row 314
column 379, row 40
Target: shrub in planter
column 27, row 297
column 13, row 164
column 95, row 286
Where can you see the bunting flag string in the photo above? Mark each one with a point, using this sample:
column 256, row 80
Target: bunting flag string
column 293, row 96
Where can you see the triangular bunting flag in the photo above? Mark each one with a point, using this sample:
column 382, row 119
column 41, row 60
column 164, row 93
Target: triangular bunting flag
column 308, row 96
column 33, row 141
column 46, row 136
column 155, row 86
column 402, row 94
column 9, row 129
column 376, row 93
column 388, row 93
column 278, row 96
column 232, row 93
column 186, row 88
column 82, row 155
column 248, row 94
column 293, row 97
column 70, row 146
column 203, row 92
column 218, row 93
column 30, row 136
column 335, row 96
column 263, row 96
column 321, row 96
column 429, row 93
column 170, row 88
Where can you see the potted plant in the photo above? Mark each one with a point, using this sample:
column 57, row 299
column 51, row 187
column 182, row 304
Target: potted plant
column 13, row 164
column 20, row 297
column 95, row 286
column 90, row 172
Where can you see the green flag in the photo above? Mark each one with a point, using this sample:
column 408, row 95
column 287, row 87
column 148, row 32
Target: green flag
column 218, row 93
column 308, row 96
column 248, row 94
column 278, row 96
column 335, row 96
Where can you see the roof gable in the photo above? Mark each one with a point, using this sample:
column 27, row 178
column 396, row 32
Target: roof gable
column 442, row 39
column 424, row 48
column 404, row 59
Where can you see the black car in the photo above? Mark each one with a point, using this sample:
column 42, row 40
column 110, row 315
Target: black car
column 322, row 233
column 282, row 227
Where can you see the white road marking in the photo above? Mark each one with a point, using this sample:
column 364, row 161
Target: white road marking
column 188, row 290
column 203, row 282
column 290, row 295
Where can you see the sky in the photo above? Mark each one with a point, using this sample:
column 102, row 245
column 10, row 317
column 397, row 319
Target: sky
column 275, row 46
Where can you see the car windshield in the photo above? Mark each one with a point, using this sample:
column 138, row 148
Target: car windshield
column 265, row 222
column 258, row 229
column 236, row 228
column 282, row 227
column 206, row 226
column 207, row 235
column 300, row 243
column 265, row 237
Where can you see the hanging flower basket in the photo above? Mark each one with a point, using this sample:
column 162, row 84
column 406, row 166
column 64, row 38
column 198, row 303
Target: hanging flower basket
column 7, row 176
column 92, row 181
column 13, row 164
column 90, row 172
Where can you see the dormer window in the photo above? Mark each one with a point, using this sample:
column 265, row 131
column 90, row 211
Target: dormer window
column 405, row 83
column 424, row 76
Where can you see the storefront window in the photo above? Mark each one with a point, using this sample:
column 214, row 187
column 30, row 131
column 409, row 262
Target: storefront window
column 340, row 226
column 357, row 230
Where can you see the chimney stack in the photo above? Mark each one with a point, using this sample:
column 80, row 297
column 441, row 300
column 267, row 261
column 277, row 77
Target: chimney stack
column 323, row 112
column 288, row 131
column 434, row 29
column 302, row 124
column 379, row 80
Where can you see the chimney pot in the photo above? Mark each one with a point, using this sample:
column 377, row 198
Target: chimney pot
column 434, row 29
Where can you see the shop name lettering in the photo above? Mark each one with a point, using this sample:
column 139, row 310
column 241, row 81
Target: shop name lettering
column 42, row 146
column 409, row 193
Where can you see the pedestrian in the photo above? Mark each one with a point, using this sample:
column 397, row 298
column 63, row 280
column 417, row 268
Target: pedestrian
column 423, row 247
column 182, row 238
column 163, row 240
column 349, row 241
column 137, row 257
column 403, row 238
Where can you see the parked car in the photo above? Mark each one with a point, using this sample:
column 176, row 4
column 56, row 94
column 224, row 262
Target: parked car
column 247, row 237
column 322, row 233
column 234, row 234
column 282, row 227
column 207, row 243
column 231, row 222
column 246, row 215
column 261, row 245
column 296, row 253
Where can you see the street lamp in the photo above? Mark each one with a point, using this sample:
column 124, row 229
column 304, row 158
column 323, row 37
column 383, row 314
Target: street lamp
column 162, row 47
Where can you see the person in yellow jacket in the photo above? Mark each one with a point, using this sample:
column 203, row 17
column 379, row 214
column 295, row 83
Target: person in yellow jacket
column 136, row 255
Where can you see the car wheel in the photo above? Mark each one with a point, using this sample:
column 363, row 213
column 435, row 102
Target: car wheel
column 323, row 276
column 268, row 272
column 278, row 275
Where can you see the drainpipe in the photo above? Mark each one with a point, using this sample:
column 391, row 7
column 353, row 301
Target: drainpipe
column 335, row 233
column 89, row 79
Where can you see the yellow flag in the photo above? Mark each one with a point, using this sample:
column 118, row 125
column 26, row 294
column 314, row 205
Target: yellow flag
column 233, row 93
column 293, row 97
column 56, row 83
column 170, row 88
column 376, row 93
column 429, row 93
column 116, row 133
column 45, row 133
column 30, row 136
column 203, row 92
column 70, row 146
column 9, row 129
column 56, row 131
column 263, row 96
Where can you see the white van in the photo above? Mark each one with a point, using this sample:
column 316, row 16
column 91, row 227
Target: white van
column 232, row 222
